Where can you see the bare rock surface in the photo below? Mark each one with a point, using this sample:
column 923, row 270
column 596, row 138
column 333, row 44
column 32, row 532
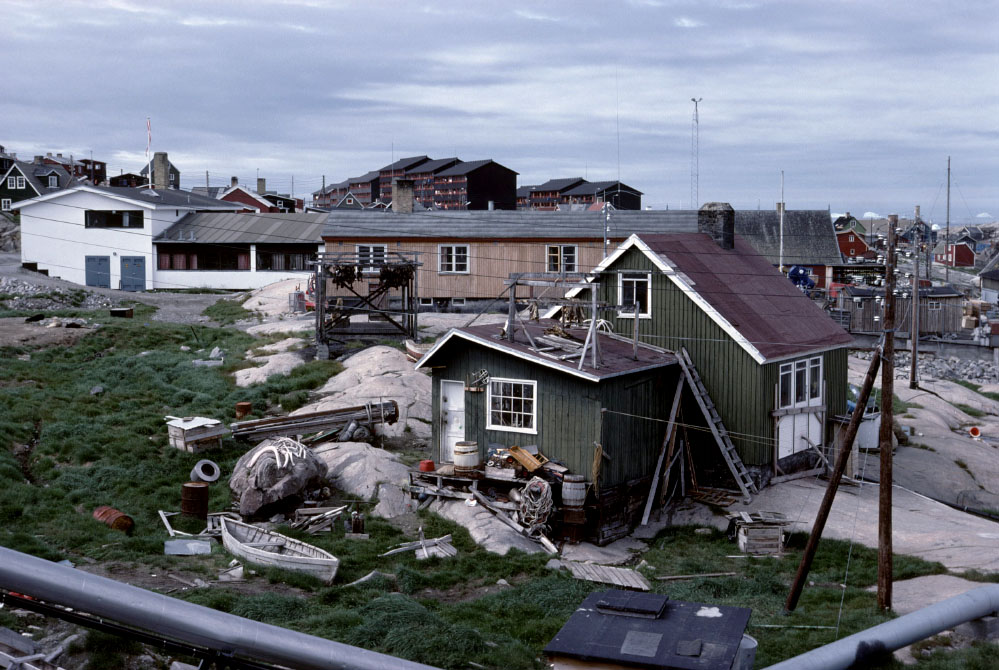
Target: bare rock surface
column 434, row 325
column 366, row 471
column 274, row 472
column 287, row 344
column 486, row 530
column 272, row 300
column 377, row 374
column 618, row 552
column 293, row 323
column 275, row 364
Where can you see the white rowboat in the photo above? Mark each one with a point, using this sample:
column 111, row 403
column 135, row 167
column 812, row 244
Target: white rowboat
column 265, row 547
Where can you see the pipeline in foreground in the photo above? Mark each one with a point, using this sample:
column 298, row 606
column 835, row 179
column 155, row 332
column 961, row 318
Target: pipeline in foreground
column 175, row 620
column 867, row 645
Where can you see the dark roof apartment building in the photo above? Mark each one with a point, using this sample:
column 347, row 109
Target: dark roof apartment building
column 558, row 193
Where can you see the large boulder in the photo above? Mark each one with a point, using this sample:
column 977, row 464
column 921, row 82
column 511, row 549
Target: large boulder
column 366, row 472
column 274, row 476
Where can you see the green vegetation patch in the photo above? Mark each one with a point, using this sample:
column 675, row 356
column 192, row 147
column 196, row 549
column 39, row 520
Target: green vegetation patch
column 228, row 312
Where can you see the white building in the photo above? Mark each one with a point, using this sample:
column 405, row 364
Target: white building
column 138, row 239
column 103, row 236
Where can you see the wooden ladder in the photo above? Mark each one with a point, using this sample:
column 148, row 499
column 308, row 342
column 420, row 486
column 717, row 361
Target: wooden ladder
column 717, row 426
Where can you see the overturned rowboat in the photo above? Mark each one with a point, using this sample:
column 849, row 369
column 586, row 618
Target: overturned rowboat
column 415, row 350
column 264, row 547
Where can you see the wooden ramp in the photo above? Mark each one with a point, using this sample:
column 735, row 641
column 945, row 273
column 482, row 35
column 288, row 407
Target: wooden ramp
column 626, row 578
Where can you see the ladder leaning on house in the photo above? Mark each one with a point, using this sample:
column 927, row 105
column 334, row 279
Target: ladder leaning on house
column 717, row 426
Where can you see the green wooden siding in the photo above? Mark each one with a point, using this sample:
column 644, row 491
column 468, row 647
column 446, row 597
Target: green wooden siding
column 569, row 417
column 742, row 390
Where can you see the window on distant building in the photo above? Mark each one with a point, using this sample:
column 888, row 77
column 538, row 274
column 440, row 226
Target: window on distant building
column 934, row 305
column 21, row 182
column 512, row 405
column 853, row 252
column 53, row 181
column 561, row 258
column 634, row 287
column 371, row 256
column 5, row 205
column 11, row 182
column 285, row 257
column 851, row 238
column 453, row 258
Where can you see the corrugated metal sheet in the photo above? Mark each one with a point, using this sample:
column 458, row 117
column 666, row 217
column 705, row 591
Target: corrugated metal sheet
column 809, row 236
column 241, row 228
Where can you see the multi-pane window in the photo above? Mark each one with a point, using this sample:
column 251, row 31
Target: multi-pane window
column 800, row 383
column 512, row 405
column 21, row 183
column 114, row 219
column 561, row 258
column 370, row 256
column 634, row 287
column 11, row 182
column 453, row 257
column 53, row 181
column 5, row 204
column 934, row 305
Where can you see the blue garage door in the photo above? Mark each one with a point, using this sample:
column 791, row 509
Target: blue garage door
column 133, row 273
column 98, row 270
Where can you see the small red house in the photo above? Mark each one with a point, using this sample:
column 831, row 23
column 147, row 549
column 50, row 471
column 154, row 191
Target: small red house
column 954, row 254
column 851, row 243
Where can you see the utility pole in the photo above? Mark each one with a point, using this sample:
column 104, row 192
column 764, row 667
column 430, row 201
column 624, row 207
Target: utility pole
column 695, row 157
column 947, row 238
column 606, row 227
column 885, row 432
column 206, row 182
column 914, row 322
column 781, row 256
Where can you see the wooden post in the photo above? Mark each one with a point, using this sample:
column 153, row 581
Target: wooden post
column 634, row 342
column 885, row 434
column 512, row 310
column 914, row 322
column 837, row 474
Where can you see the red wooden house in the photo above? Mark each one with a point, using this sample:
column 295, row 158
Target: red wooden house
column 851, row 243
column 954, row 254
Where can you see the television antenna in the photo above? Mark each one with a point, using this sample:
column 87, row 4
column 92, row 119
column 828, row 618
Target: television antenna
column 695, row 156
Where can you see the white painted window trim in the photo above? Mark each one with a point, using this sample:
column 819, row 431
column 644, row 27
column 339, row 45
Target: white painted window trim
column 630, row 314
column 12, row 182
column 791, row 367
column 453, row 247
column 21, row 182
column 458, row 302
column 53, row 181
column 533, row 430
column 934, row 305
column 5, row 205
column 560, row 250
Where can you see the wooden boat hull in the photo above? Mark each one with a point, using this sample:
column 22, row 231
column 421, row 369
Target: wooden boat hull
column 264, row 547
column 415, row 350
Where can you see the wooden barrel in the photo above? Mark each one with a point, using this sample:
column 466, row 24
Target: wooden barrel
column 242, row 409
column 573, row 491
column 466, row 457
column 114, row 519
column 194, row 500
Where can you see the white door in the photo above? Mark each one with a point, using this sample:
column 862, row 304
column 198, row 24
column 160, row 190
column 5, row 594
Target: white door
column 800, row 391
column 452, row 418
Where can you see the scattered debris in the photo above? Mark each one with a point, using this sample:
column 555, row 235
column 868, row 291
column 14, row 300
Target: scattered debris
column 210, row 363
column 114, row 519
column 234, row 573
column 205, row 471
column 323, row 424
column 758, row 532
column 606, row 574
column 166, row 522
column 195, row 434
column 674, row 578
column 275, row 473
column 425, row 548
column 186, row 547
column 317, row 519
column 97, row 390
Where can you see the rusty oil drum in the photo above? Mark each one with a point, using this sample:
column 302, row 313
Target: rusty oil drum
column 194, row 500
column 114, row 519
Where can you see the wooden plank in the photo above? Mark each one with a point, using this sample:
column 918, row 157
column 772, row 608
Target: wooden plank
column 670, row 433
column 605, row 574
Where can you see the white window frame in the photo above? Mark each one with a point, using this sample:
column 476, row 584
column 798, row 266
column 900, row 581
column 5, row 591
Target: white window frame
column 21, row 183
column 5, row 205
column 426, row 302
column 527, row 383
column 457, row 302
column 452, row 267
column 851, row 238
column 370, row 254
column 53, row 181
column 934, row 305
column 12, row 182
column 624, row 312
column 556, row 253
column 789, row 371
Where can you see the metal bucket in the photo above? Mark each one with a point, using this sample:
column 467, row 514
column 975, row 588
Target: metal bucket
column 573, row 491
column 114, row 519
column 466, row 457
column 745, row 657
column 194, row 500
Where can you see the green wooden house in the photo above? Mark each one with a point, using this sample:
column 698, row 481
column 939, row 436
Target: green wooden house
column 773, row 362
column 606, row 423
column 29, row 180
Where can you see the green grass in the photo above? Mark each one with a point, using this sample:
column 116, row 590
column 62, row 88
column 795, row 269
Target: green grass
column 228, row 312
column 978, row 389
column 899, row 406
column 970, row 411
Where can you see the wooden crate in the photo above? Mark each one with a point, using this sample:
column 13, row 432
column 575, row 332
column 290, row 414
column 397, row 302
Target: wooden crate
column 760, row 539
column 195, row 434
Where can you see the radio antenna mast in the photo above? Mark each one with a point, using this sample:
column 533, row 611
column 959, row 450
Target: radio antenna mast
column 695, row 157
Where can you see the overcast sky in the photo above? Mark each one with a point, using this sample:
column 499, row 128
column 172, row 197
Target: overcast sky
column 860, row 103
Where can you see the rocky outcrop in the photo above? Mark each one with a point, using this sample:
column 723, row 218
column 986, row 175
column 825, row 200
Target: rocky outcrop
column 10, row 234
column 367, row 472
column 273, row 475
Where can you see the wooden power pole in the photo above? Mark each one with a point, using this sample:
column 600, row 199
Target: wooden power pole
column 914, row 321
column 887, row 419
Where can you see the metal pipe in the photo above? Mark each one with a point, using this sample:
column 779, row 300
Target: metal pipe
column 187, row 622
column 856, row 650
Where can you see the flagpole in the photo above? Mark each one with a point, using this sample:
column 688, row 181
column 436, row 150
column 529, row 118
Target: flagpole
column 149, row 159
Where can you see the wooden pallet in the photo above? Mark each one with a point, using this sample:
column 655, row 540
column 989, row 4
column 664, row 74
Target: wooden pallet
column 719, row 497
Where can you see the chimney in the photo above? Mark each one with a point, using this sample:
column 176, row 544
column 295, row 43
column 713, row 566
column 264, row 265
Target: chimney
column 402, row 196
column 161, row 170
column 233, row 182
column 917, row 212
column 58, row 155
column 780, row 208
column 491, row 206
column 848, row 215
column 717, row 219
column 261, row 185
column 38, row 160
column 48, row 154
